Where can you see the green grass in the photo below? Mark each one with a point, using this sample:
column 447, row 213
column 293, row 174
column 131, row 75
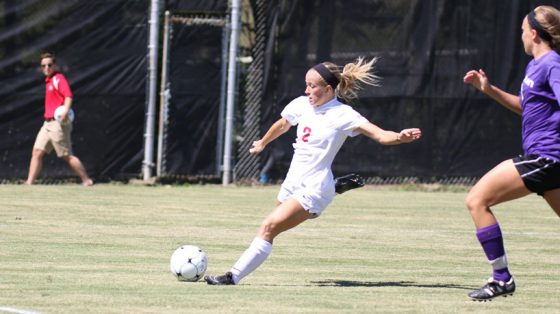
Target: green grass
column 106, row 249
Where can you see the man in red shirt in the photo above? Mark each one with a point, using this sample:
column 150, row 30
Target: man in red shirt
column 54, row 134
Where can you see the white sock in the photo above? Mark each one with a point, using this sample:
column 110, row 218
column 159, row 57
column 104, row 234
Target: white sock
column 252, row 258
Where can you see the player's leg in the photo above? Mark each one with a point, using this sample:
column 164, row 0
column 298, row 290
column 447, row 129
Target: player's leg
column 35, row 165
column 61, row 139
column 501, row 184
column 552, row 197
column 284, row 217
column 41, row 147
column 77, row 166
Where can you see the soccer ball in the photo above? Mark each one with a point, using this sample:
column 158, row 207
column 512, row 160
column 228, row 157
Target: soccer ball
column 58, row 112
column 188, row 263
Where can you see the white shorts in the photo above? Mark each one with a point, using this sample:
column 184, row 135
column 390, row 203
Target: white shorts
column 312, row 201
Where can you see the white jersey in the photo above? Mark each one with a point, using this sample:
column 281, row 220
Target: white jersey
column 321, row 131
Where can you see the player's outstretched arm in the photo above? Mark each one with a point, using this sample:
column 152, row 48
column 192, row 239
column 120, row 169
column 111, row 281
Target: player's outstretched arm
column 386, row 137
column 479, row 80
column 278, row 128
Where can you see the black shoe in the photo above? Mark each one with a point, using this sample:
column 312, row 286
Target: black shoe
column 348, row 182
column 493, row 289
column 219, row 280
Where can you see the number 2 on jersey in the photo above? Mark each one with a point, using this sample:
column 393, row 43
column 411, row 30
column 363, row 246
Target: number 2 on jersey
column 306, row 134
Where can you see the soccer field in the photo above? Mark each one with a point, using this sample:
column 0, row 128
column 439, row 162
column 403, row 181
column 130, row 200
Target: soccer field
column 106, row 249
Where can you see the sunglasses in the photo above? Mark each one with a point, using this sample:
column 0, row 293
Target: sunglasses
column 48, row 65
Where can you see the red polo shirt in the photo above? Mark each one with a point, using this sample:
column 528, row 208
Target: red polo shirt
column 57, row 89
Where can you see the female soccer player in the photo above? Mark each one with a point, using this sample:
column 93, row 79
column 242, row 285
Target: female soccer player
column 323, row 125
column 538, row 170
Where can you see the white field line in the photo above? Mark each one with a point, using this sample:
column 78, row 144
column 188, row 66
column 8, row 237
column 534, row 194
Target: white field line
column 5, row 309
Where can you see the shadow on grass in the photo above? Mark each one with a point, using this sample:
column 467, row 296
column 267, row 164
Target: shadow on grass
column 351, row 283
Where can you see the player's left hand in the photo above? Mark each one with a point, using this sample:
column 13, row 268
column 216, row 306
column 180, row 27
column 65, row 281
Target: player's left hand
column 409, row 135
column 64, row 116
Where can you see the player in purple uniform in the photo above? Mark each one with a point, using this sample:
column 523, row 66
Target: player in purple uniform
column 538, row 170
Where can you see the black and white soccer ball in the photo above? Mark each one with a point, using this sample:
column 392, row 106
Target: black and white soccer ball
column 188, row 263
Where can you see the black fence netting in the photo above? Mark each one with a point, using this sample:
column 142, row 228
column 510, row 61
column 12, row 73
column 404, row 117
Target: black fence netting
column 100, row 46
column 424, row 46
column 424, row 49
column 194, row 85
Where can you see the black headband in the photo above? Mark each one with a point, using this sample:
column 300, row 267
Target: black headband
column 538, row 27
column 326, row 75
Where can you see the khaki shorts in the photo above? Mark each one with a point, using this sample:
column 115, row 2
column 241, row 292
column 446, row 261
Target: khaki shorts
column 55, row 136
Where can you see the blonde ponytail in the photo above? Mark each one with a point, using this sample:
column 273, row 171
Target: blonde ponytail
column 353, row 77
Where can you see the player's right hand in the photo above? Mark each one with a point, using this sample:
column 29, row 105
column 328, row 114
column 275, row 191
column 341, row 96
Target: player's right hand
column 257, row 147
column 477, row 79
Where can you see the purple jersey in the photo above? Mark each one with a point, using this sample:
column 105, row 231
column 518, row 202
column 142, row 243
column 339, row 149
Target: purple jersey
column 540, row 101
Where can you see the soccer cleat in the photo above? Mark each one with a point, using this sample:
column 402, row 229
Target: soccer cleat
column 348, row 182
column 220, row 280
column 493, row 289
